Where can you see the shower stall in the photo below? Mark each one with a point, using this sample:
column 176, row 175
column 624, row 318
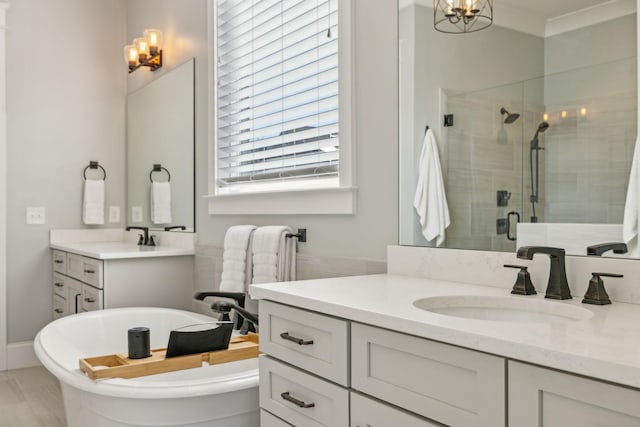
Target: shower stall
column 553, row 149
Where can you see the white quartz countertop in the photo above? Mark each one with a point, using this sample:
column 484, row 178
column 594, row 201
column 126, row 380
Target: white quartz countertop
column 604, row 346
column 120, row 250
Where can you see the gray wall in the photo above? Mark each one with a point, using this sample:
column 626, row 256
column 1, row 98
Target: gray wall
column 65, row 107
column 365, row 234
column 71, row 109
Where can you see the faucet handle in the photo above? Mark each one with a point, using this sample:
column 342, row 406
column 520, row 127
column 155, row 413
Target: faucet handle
column 523, row 285
column 151, row 242
column 140, row 240
column 596, row 293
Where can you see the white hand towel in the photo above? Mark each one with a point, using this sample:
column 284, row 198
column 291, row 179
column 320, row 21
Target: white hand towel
column 430, row 200
column 93, row 202
column 273, row 255
column 631, row 221
column 237, row 259
column 160, row 202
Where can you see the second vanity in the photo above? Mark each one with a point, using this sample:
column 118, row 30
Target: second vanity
column 96, row 269
column 356, row 351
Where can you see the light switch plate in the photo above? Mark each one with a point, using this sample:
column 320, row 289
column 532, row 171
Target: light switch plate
column 36, row 216
column 114, row 214
column 136, row 213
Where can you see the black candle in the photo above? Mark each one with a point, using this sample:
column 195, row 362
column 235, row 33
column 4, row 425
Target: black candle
column 139, row 343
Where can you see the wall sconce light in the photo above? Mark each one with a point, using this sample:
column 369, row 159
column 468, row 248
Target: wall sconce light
column 145, row 51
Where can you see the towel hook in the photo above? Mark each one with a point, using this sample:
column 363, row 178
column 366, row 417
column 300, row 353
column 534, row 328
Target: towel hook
column 159, row 168
column 301, row 235
column 94, row 165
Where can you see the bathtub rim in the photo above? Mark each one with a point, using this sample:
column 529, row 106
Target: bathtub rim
column 136, row 389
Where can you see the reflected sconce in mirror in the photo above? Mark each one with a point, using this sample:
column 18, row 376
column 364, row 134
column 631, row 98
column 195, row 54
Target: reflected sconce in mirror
column 462, row 16
column 145, row 51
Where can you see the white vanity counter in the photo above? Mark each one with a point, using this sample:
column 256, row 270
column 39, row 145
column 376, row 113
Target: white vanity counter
column 121, row 244
column 120, row 250
column 605, row 346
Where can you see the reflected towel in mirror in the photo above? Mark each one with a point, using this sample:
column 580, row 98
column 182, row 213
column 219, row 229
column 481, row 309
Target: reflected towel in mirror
column 631, row 221
column 430, row 200
column 160, row 202
column 93, row 202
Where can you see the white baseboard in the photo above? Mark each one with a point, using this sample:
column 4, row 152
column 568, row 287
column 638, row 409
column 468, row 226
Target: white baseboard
column 21, row 355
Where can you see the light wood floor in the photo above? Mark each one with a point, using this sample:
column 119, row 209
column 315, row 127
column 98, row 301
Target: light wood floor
column 30, row 397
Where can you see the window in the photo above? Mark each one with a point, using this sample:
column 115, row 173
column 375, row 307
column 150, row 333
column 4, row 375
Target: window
column 281, row 104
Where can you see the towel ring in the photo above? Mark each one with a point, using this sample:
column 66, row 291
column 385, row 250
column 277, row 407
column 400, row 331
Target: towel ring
column 94, row 165
column 159, row 168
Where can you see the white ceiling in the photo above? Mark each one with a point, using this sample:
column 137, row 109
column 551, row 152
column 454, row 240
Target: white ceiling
column 548, row 9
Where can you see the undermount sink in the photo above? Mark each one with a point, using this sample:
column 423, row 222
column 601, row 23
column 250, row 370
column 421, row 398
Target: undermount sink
column 503, row 308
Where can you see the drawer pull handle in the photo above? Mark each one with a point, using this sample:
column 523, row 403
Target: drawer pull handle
column 286, row 396
column 58, row 310
column 299, row 341
column 89, row 271
column 90, row 300
column 58, row 261
column 58, row 284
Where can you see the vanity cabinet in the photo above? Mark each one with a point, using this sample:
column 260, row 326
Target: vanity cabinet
column 319, row 370
column 545, row 397
column 452, row 385
column 82, row 283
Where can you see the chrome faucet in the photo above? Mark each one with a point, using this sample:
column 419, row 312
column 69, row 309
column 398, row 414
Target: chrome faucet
column 144, row 240
column 557, row 287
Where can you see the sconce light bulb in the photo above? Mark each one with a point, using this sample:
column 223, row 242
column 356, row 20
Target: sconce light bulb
column 154, row 40
column 583, row 111
column 563, row 114
column 545, row 117
column 131, row 55
column 143, row 48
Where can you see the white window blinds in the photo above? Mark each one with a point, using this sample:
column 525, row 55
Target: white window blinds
column 277, row 93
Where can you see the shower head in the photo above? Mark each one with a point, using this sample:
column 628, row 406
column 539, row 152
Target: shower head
column 542, row 127
column 510, row 117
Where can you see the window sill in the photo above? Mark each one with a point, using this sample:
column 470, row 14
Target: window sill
column 326, row 201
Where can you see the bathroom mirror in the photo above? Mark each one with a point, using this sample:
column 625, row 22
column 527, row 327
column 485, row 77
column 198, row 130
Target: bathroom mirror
column 544, row 122
column 160, row 131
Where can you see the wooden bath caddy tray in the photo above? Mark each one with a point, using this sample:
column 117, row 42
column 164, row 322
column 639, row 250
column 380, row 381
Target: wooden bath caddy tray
column 119, row 365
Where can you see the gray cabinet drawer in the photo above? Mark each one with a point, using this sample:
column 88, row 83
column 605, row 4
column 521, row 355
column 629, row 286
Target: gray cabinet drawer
column 301, row 399
column 59, row 259
column 87, row 270
column 268, row 420
column 542, row 397
column 59, row 285
column 91, row 298
column 448, row 384
column 59, row 307
column 368, row 412
column 311, row 341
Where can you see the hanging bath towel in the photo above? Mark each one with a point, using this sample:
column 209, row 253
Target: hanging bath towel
column 430, row 200
column 93, row 202
column 160, row 200
column 631, row 221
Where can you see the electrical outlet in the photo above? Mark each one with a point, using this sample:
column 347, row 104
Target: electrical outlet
column 36, row 216
column 114, row 214
column 136, row 213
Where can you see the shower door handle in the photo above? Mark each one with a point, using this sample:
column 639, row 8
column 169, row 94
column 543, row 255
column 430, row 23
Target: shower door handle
column 509, row 236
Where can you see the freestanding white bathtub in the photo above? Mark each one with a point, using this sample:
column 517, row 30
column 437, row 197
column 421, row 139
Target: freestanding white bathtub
column 224, row 395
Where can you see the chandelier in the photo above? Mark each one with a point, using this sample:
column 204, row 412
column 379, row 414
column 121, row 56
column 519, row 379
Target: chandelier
column 462, row 16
